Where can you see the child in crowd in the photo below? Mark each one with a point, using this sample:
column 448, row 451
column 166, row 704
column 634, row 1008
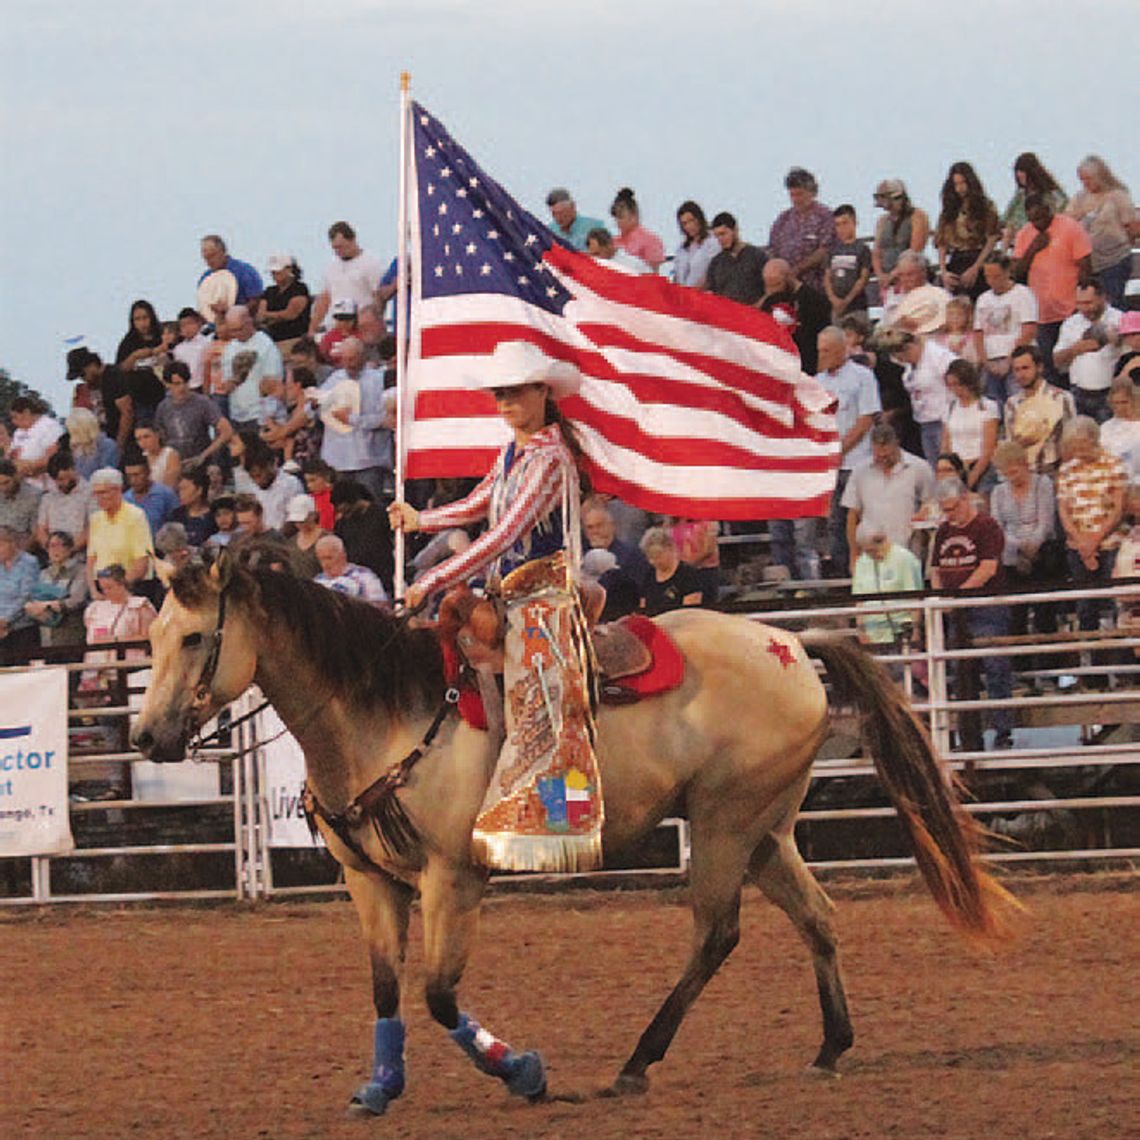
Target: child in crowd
column 225, row 519
column 849, row 268
column 319, row 478
column 957, row 334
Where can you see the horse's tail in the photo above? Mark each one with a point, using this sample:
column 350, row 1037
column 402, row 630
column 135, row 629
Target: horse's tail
column 946, row 839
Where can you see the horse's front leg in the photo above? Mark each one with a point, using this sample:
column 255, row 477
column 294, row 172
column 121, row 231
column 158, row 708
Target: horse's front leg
column 383, row 906
column 450, row 897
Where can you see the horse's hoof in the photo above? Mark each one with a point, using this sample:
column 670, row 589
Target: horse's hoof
column 528, row 1077
column 368, row 1100
column 822, row 1072
column 631, row 1084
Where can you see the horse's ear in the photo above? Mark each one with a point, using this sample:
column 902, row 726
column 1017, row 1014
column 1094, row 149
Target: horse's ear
column 223, row 569
column 164, row 570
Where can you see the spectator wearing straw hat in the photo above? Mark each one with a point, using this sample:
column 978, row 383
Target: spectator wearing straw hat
column 248, row 285
column 248, row 358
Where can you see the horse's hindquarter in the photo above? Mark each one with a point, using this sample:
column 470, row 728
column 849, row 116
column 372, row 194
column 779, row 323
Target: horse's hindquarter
column 743, row 726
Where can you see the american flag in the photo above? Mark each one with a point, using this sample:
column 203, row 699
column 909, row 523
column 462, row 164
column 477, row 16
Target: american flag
column 691, row 405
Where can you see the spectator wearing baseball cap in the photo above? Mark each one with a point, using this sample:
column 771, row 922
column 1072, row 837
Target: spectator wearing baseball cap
column 904, row 226
column 103, row 390
column 344, row 313
column 302, row 532
column 286, row 307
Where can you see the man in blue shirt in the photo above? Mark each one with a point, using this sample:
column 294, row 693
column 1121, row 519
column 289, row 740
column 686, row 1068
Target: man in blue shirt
column 19, row 571
column 249, row 285
column 569, row 225
column 362, row 447
column 156, row 500
column 857, row 391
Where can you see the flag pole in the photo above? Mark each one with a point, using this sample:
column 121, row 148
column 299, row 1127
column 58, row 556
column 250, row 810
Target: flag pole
column 403, row 323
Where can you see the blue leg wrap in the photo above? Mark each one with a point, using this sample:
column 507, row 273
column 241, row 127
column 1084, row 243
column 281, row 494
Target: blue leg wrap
column 523, row 1073
column 387, row 1067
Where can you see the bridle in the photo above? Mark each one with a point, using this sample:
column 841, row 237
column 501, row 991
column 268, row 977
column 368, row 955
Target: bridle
column 206, row 682
column 210, row 665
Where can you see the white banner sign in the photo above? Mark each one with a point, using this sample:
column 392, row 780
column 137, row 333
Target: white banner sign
column 33, row 763
column 284, row 781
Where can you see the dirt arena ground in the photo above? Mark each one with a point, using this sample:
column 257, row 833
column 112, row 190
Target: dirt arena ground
column 234, row 1023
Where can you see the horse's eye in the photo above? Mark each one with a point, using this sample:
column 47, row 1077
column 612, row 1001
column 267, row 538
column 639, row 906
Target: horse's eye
column 192, row 641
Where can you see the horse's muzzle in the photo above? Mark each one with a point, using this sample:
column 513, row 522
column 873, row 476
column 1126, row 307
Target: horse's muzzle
column 168, row 751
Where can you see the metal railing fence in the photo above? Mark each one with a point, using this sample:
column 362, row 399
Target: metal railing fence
column 998, row 779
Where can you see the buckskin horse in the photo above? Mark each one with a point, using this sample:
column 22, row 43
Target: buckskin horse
column 730, row 749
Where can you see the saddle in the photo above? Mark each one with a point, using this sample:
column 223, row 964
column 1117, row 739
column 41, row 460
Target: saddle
column 636, row 658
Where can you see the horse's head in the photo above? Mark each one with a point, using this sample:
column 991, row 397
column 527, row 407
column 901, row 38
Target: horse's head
column 204, row 656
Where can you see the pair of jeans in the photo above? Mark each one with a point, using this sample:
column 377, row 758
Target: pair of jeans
column 1115, row 280
column 1089, row 610
column 1092, row 403
column 793, row 546
column 837, row 523
column 966, row 627
column 1047, row 337
column 931, row 442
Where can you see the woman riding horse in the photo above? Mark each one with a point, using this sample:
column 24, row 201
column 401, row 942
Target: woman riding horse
column 543, row 809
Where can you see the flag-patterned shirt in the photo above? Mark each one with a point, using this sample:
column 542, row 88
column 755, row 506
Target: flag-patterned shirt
column 521, row 498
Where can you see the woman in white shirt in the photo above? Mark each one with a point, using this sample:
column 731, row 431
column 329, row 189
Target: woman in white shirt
column 165, row 463
column 970, row 429
column 1121, row 434
column 691, row 261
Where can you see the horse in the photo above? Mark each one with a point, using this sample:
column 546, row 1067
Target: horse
column 730, row 749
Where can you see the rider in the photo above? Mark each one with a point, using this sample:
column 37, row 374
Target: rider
column 543, row 808
column 522, row 495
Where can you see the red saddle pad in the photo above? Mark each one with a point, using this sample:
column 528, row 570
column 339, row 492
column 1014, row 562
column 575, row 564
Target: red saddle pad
column 667, row 670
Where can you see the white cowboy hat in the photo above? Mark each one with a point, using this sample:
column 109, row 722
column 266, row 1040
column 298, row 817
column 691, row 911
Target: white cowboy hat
column 924, row 307
column 518, row 362
column 345, row 394
column 217, row 288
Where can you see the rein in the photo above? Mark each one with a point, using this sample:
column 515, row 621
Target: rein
column 377, row 804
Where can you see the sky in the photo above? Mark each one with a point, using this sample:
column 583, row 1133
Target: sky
column 130, row 128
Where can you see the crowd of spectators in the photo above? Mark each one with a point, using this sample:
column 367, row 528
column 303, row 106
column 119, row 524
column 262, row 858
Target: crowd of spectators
column 996, row 385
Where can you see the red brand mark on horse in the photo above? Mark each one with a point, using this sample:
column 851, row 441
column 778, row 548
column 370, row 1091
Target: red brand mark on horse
column 783, row 652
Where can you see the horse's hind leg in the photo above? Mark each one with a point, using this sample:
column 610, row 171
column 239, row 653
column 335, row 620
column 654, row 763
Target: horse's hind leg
column 383, row 906
column 450, row 898
column 779, row 870
column 716, row 875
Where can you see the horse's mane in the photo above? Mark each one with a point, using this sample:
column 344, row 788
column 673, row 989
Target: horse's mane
column 358, row 653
